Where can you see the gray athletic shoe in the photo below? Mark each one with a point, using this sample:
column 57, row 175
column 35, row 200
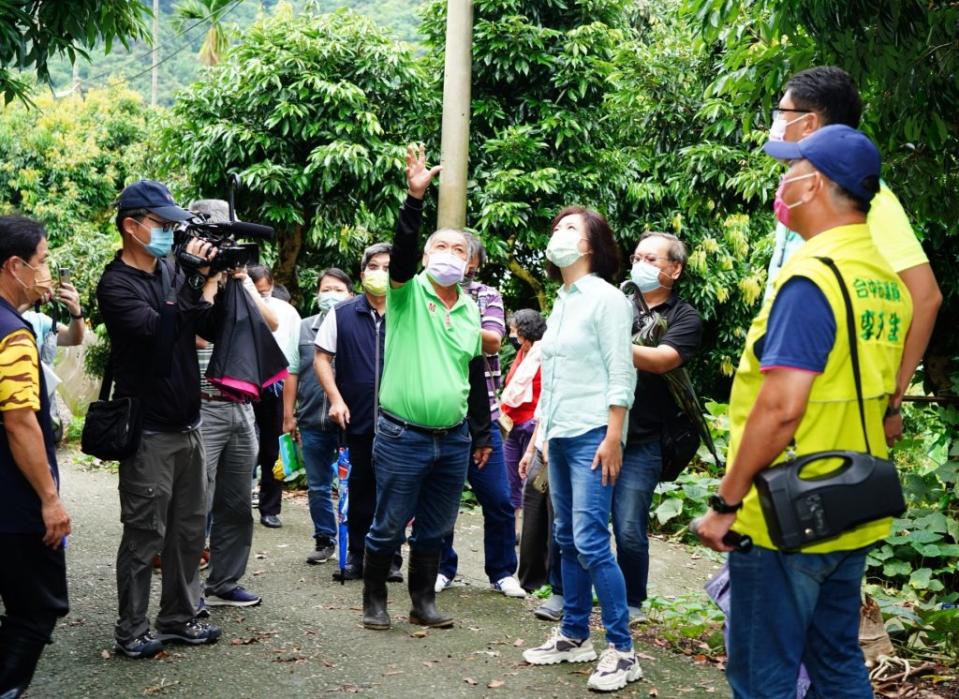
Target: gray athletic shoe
column 551, row 609
column 559, row 649
column 615, row 670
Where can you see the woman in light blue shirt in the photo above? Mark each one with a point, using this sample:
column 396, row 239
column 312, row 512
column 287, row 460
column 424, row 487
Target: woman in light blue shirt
column 588, row 384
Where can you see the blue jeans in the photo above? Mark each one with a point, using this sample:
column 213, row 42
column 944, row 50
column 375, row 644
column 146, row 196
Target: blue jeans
column 499, row 518
column 581, row 505
column 793, row 608
column 417, row 475
column 642, row 466
column 319, row 452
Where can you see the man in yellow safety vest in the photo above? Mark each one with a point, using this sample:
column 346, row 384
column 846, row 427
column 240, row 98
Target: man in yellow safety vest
column 794, row 393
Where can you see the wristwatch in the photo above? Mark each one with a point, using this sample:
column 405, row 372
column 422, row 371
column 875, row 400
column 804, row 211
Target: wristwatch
column 196, row 281
column 892, row 411
column 717, row 504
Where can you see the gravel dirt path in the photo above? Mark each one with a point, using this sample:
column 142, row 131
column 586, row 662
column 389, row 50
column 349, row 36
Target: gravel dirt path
column 306, row 639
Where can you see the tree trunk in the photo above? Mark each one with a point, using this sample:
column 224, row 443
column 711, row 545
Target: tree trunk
column 289, row 246
column 525, row 275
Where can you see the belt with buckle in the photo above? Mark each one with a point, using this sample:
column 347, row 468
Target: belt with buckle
column 432, row 431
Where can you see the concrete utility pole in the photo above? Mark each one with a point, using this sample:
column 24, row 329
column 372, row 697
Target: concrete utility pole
column 155, row 56
column 457, row 79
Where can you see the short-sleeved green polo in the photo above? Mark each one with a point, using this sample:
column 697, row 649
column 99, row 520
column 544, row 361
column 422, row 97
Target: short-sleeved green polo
column 428, row 351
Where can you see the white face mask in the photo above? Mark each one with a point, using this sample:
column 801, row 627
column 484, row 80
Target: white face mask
column 777, row 132
column 563, row 248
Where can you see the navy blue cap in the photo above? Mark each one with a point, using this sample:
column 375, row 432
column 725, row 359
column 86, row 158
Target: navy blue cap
column 843, row 154
column 155, row 198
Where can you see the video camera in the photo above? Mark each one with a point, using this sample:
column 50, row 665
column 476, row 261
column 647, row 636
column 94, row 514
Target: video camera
column 222, row 236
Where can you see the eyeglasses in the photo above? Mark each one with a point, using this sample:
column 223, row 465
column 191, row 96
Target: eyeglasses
column 649, row 257
column 781, row 112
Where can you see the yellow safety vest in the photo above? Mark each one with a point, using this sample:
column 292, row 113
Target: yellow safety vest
column 883, row 313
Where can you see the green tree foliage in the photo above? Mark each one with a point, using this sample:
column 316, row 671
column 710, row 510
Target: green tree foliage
column 64, row 162
column 904, row 55
column 602, row 104
column 180, row 43
column 312, row 111
column 33, row 31
column 540, row 77
column 216, row 42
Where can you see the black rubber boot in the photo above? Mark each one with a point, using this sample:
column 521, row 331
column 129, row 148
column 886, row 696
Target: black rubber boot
column 422, row 572
column 375, row 570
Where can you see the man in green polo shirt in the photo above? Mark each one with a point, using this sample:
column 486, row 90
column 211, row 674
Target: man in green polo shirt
column 433, row 406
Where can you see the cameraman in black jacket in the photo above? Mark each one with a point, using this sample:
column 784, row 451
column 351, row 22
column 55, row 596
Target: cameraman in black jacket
column 163, row 486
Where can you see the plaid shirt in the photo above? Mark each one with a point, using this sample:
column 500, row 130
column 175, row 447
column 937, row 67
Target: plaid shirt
column 492, row 317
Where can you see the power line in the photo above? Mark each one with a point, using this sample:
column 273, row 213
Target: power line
column 182, row 32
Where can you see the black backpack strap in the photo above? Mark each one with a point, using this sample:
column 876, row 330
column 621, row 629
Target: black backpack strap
column 853, row 344
column 107, row 383
column 166, row 326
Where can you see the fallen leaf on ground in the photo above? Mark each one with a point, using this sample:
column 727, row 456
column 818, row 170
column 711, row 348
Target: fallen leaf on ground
column 518, row 642
column 495, row 684
column 105, row 654
column 470, row 681
column 644, row 656
column 422, row 633
column 654, row 692
column 427, row 663
column 393, row 672
column 243, row 641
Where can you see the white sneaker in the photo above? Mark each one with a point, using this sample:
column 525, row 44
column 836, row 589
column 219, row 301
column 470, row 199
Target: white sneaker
column 442, row 582
column 559, row 649
column 510, row 587
column 615, row 670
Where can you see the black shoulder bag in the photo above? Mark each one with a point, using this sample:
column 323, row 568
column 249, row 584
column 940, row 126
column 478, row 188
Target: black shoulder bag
column 863, row 488
column 112, row 428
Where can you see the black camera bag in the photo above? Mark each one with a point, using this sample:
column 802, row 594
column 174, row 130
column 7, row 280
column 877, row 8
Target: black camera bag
column 864, row 488
column 111, row 430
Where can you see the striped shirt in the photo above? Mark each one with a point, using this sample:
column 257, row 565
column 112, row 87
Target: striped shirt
column 492, row 317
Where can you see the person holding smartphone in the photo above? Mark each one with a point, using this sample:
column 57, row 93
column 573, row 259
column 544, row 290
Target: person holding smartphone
column 51, row 333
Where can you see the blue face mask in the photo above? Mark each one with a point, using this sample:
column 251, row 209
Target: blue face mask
column 645, row 276
column 161, row 241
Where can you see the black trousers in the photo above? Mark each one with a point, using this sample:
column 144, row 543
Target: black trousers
column 362, row 492
column 538, row 552
column 33, row 587
column 362, row 497
column 269, row 419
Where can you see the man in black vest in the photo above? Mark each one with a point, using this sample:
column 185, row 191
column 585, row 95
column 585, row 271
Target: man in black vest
column 33, row 522
column 351, row 341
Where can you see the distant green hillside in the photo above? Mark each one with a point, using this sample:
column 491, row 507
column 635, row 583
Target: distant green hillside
column 178, row 48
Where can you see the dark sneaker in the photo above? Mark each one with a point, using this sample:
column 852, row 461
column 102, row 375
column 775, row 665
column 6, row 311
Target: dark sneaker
column 615, row 670
column 351, row 572
column 193, row 632
column 145, row 646
column 325, row 548
column 237, row 597
column 559, row 649
column 271, row 521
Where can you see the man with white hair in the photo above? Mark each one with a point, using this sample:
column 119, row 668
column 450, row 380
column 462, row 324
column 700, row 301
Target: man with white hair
column 433, row 376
